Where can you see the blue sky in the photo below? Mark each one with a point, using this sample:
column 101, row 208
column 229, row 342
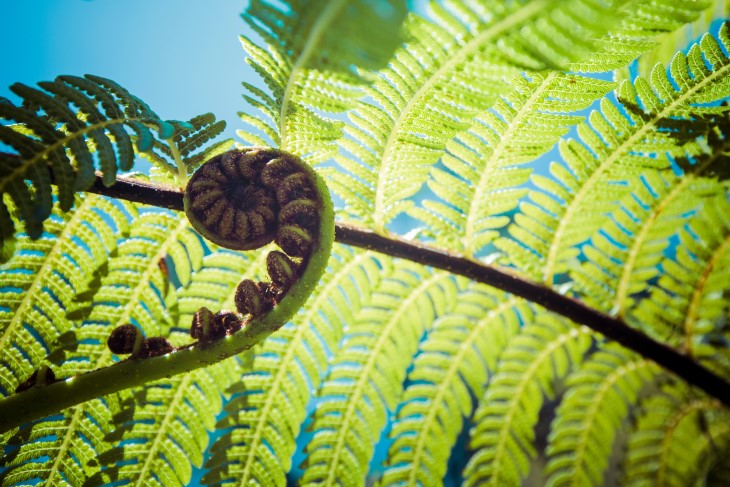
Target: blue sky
column 182, row 57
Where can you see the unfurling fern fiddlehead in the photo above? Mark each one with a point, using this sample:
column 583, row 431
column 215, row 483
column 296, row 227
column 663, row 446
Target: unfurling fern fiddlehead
column 242, row 199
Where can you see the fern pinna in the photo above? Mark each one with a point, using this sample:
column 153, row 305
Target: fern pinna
column 558, row 314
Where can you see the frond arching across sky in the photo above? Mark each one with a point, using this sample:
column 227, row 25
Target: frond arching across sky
column 394, row 372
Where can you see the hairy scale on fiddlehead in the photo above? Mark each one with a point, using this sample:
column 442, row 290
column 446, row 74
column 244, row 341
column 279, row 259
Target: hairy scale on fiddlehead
column 304, row 230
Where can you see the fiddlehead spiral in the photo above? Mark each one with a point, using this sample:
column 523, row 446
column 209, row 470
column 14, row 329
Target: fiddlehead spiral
column 245, row 199
column 305, row 231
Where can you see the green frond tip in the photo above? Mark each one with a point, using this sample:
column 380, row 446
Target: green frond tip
column 59, row 134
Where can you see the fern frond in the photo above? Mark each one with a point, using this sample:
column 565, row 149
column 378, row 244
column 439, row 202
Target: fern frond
column 132, row 290
column 591, row 414
column 452, row 367
column 671, row 42
column 618, row 144
column 42, row 282
column 644, row 26
column 542, row 355
column 54, row 142
column 678, row 436
column 176, row 155
column 623, row 256
column 313, row 51
column 269, row 404
column 61, row 449
column 365, row 376
column 688, row 308
column 450, row 70
column 481, row 182
column 168, row 424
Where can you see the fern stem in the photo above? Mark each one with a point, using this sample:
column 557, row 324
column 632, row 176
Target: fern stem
column 182, row 171
column 613, row 328
column 39, row 402
column 697, row 405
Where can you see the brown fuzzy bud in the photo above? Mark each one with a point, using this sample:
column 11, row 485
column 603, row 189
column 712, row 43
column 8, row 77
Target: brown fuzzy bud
column 250, row 299
column 276, row 170
column 40, row 377
column 155, row 346
column 300, row 213
column 294, row 240
column 282, row 270
column 228, row 321
column 125, row 339
column 202, row 323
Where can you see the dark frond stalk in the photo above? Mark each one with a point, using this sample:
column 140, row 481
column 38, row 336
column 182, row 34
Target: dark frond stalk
column 612, row 328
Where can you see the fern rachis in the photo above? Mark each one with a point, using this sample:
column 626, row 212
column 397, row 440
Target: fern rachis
column 382, row 337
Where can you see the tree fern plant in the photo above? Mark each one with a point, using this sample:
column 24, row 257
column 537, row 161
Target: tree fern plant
column 523, row 279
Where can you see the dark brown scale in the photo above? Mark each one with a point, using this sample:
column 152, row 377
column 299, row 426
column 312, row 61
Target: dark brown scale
column 228, row 321
column 202, row 322
column 253, row 162
column 276, row 170
column 301, row 213
column 32, row 381
column 294, row 240
column 282, row 270
column 155, row 346
column 252, row 298
column 207, row 326
column 123, row 339
column 293, row 187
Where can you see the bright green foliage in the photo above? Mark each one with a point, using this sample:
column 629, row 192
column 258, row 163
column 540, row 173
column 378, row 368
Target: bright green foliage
column 453, row 366
column 448, row 72
column 393, row 373
column 43, row 281
column 588, row 418
column 55, row 141
column 628, row 248
column 270, row 401
column 314, row 48
column 487, row 159
column 532, row 365
column 677, row 429
column 688, row 302
column 618, row 144
column 365, row 378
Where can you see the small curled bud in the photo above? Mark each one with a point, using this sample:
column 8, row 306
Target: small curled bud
column 294, row 240
column 252, row 298
column 155, row 346
column 208, row 326
column 229, row 322
column 282, row 270
column 42, row 376
column 202, row 323
column 125, row 339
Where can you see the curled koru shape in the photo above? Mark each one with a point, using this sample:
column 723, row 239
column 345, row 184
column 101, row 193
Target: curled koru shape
column 243, row 200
